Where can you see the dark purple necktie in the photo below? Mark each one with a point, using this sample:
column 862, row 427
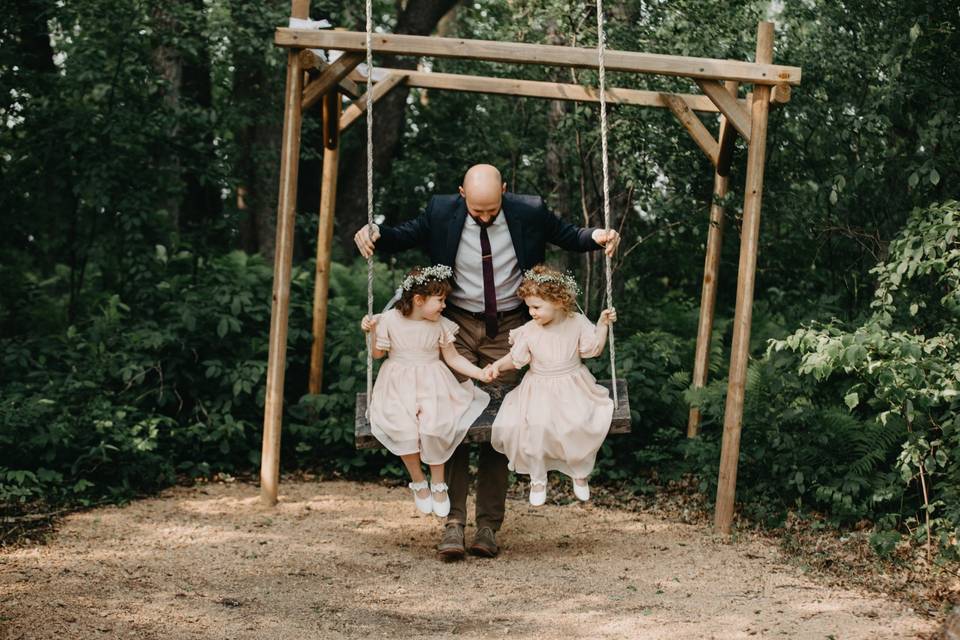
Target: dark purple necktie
column 489, row 290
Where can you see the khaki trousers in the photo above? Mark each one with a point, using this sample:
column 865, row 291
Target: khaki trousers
column 472, row 342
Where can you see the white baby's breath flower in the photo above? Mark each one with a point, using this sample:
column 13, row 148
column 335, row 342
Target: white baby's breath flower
column 438, row 272
column 565, row 280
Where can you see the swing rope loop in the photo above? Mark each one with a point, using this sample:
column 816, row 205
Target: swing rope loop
column 369, row 95
column 608, row 261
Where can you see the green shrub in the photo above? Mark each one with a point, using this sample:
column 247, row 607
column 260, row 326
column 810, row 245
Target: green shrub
column 173, row 384
column 862, row 421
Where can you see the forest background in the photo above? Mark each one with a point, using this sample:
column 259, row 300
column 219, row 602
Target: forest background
column 139, row 153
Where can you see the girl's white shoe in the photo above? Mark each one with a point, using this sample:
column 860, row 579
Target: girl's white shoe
column 441, row 508
column 538, row 492
column 424, row 505
column 582, row 491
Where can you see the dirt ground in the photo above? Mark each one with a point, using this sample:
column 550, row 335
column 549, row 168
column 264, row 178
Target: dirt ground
column 348, row 560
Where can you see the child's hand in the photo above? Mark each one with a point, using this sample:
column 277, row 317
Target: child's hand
column 369, row 323
column 490, row 373
column 607, row 317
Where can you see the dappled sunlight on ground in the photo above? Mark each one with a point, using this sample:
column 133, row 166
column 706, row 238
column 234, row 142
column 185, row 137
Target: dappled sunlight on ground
column 348, row 560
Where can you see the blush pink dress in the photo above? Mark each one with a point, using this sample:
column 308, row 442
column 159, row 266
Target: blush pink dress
column 558, row 416
column 416, row 404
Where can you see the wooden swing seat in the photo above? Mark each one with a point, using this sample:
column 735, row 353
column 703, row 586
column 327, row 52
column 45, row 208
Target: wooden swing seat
column 480, row 430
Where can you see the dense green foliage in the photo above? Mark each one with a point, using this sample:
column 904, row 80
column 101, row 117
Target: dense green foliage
column 128, row 400
column 860, row 419
column 134, row 312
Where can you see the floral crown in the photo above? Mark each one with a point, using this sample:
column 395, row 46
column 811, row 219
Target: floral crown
column 438, row 272
column 565, row 280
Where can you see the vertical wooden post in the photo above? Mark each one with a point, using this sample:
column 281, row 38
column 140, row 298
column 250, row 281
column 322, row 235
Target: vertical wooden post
column 328, row 204
column 282, row 264
column 746, row 273
column 711, row 267
column 708, row 298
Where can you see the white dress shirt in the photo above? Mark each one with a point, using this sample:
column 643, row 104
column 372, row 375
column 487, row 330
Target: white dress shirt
column 468, row 267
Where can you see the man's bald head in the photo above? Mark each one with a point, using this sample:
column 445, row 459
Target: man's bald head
column 482, row 189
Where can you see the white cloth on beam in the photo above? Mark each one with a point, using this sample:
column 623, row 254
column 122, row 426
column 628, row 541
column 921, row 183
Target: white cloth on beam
column 379, row 75
column 314, row 25
column 306, row 23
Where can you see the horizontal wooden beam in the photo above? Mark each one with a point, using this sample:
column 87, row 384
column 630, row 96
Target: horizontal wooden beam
column 546, row 90
column 359, row 106
column 312, row 62
column 330, row 78
column 701, row 135
column 523, row 53
column 727, row 103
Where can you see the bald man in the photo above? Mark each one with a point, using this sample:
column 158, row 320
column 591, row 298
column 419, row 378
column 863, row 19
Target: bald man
column 489, row 237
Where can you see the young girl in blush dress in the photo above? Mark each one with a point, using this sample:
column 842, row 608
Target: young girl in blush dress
column 558, row 416
column 418, row 410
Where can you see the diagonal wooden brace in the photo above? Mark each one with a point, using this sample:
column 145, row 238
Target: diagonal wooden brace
column 728, row 106
column 330, row 78
column 313, row 65
column 690, row 121
column 359, row 106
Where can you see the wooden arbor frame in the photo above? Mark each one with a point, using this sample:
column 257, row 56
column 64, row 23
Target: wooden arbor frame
column 310, row 81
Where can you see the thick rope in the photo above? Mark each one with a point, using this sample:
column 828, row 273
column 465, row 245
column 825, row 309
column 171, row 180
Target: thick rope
column 369, row 46
column 608, row 262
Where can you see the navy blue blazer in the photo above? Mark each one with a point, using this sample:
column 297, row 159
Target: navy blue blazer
column 438, row 229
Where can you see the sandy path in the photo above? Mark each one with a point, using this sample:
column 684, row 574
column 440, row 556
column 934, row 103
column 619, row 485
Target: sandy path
column 346, row 560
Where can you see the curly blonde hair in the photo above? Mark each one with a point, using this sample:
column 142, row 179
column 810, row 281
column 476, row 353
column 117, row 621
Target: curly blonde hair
column 430, row 287
column 551, row 285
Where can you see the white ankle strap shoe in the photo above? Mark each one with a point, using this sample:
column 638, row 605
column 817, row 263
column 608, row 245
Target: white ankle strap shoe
column 538, row 492
column 441, row 508
column 582, row 491
column 424, row 505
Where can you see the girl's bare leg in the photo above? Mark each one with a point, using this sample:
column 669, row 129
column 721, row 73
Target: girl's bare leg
column 412, row 462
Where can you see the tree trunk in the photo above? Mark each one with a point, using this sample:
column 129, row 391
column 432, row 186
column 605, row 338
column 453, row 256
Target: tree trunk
column 169, row 65
column 257, row 93
column 53, row 200
column 187, row 96
column 419, row 17
column 258, row 168
column 29, row 22
column 201, row 204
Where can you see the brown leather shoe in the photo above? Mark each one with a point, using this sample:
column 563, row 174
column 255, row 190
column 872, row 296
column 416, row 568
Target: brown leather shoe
column 451, row 544
column 485, row 543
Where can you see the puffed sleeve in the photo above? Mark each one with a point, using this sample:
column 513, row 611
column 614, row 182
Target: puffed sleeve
column 448, row 331
column 589, row 344
column 382, row 332
column 519, row 347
